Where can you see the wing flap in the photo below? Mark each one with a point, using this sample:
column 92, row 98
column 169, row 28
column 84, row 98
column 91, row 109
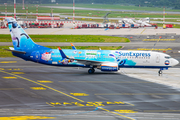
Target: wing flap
column 87, row 62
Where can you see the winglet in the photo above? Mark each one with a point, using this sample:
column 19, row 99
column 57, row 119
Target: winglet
column 62, row 53
column 73, row 47
column 59, row 48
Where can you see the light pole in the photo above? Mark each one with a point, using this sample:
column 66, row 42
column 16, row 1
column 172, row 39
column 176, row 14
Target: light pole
column 5, row 8
column 23, row 5
column 52, row 13
column 37, row 11
column 73, row 13
column 26, row 11
column 164, row 18
column 14, row 9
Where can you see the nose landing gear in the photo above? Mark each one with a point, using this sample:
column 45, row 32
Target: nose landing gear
column 160, row 72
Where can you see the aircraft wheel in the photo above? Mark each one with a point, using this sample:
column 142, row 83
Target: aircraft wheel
column 91, row 71
column 160, row 72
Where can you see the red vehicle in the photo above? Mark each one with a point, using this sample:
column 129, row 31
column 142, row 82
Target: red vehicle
column 169, row 25
column 111, row 27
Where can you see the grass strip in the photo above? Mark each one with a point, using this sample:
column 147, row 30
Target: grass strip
column 69, row 38
column 4, row 53
column 94, row 13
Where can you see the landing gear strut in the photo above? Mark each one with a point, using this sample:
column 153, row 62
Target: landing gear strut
column 91, row 70
column 160, row 72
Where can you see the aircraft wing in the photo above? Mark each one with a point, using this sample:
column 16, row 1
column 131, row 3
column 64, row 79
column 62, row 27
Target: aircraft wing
column 87, row 62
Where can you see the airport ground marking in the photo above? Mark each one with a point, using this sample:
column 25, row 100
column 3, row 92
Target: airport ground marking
column 38, row 88
column 95, row 104
column 8, row 62
column 44, row 81
column 59, row 104
column 9, row 69
column 143, row 30
column 42, row 85
column 9, row 77
column 116, row 113
column 126, row 111
column 79, row 94
column 26, row 118
column 60, row 92
column 56, row 31
column 129, row 103
column 17, row 72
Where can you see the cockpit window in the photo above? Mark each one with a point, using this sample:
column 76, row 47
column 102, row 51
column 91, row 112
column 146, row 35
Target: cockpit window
column 14, row 24
column 167, row 57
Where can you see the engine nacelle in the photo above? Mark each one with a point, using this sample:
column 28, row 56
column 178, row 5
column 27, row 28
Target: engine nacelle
column 109, row 67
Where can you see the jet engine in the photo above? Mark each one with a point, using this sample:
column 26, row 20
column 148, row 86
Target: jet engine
column 108, row 67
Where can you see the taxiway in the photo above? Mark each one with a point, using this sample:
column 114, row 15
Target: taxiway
column 32, row 89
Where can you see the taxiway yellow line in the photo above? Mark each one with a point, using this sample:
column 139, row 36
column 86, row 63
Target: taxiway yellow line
column 43, row 85
column 116, row 113
column 26, row 118
column 8, row 62
column 129, row 103
column 56, row 31
column 62, row 93
column 9, row 77
column 143, row 30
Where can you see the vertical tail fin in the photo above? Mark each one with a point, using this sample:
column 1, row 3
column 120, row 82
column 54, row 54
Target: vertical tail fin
column 21, row 41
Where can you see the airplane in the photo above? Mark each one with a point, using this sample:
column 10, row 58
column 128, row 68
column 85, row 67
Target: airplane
column 105, row 60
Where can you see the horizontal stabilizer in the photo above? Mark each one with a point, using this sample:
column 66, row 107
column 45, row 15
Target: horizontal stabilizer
column 15, row 51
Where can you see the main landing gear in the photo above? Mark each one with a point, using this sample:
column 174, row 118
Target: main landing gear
column 160, row 72
column 91, row 70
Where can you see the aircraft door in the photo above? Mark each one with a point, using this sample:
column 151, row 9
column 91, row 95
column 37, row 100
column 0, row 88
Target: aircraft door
column 157, row 58
column 37, row 56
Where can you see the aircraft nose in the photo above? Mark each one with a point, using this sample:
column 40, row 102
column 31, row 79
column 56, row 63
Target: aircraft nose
column 175, row 62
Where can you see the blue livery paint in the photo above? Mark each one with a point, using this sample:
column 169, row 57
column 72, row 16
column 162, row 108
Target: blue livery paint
column 76, row 58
